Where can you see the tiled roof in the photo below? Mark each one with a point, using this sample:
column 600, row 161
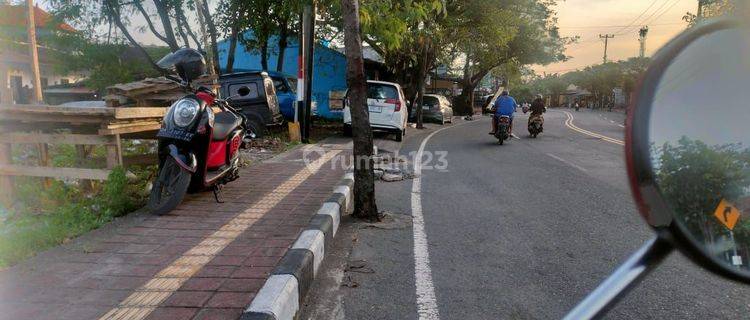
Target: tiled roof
column 16, row 16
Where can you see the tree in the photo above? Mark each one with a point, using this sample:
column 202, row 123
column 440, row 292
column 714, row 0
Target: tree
column 694, row 177
column 364, row 177
column 162, row 18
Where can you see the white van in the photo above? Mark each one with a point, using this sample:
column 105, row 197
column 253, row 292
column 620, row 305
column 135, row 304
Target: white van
column 387, row 106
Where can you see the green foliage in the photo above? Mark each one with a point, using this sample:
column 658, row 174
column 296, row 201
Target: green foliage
column 694, row 177
column 107, row 64
column 47, row 217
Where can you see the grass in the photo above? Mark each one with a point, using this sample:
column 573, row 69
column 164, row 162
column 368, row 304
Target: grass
column 45, row 215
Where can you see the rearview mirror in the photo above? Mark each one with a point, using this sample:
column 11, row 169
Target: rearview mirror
column 243, row 91
column 689, row 146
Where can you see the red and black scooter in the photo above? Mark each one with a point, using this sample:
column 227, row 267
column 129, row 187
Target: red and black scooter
column 198, row 149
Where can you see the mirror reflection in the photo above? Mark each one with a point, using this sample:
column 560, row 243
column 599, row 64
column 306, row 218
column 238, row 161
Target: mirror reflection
column 700, row 143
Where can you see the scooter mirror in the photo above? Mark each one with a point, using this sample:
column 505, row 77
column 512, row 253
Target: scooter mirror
column 688, row 146
column 243, row 91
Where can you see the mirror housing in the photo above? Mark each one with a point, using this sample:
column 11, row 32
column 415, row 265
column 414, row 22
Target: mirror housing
column 651, row 202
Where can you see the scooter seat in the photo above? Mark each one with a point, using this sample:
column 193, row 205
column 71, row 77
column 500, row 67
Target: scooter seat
column 225, row 123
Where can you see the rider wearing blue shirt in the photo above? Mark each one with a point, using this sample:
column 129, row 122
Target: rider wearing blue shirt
column 504, row 106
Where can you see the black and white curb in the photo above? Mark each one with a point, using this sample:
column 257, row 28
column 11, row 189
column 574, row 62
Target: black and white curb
column 282, row 294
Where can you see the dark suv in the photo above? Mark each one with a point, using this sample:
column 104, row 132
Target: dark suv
column 261, row 106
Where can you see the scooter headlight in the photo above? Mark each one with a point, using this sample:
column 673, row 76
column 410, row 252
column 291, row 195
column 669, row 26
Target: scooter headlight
column 184, row 112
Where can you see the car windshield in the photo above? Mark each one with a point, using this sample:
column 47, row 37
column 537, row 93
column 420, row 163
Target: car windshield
column 381, row 91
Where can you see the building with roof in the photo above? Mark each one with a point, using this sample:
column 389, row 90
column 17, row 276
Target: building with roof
column 16, row 76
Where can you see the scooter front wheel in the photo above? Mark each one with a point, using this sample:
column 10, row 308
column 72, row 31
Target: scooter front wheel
column 169, row 188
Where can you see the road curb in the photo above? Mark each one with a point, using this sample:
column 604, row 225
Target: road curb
column 282, row 294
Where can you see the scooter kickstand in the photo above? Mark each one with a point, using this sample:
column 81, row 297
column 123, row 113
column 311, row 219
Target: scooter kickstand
column 217, row 193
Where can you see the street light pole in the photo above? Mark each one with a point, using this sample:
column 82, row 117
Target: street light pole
column 308, row 31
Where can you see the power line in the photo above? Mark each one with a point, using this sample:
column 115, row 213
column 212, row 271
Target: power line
column 618, row 26
column 639, row 16
column 647, row 20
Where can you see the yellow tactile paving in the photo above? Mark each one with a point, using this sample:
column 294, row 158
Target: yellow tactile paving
column 146, row 298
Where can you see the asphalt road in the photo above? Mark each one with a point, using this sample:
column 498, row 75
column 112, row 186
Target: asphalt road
column 519, row 231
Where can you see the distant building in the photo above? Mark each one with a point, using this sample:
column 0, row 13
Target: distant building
column 16, row 77
column 329, row 68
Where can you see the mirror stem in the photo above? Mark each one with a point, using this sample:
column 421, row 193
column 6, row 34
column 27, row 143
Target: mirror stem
column 598, row 302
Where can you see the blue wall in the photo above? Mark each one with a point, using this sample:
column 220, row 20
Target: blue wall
column 329, row 68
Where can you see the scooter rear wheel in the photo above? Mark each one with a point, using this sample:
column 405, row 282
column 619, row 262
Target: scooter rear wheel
column 169, row 188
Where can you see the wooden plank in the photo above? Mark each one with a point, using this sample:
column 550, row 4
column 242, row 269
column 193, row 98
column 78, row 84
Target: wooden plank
column 58, row 110
column 131, row 129
column 32, row 138
column 52, row 172
column 140, row 112
column 56, row 118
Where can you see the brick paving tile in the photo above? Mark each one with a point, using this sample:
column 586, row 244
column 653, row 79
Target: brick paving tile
column 261, row 261
column 168, row 313
column 187, row 299
column 215, row 271
column 229, row 300
column 219, row 314
column 227, row 260
column 202, row 284
column 242, row 285
column 252, row 272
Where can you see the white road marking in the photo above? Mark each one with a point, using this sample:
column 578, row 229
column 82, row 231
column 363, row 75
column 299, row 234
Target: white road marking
column 621, row 126
column 515, row 136
column 567, row 162
column 427, row 308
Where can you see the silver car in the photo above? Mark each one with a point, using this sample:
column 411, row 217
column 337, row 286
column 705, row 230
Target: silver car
column 435, row 108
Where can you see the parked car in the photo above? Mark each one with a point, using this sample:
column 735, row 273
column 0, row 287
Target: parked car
column 435, row 108
column 260, row 106
column 286, row 91
column 387, row 106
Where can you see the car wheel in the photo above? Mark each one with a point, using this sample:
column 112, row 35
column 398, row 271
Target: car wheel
column 347, row 130
column 255, row 127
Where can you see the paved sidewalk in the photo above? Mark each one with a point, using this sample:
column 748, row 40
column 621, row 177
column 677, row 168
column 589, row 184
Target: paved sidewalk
column 205, row 260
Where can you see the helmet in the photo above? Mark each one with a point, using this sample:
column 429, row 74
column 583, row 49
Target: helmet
column 505, row 92
column 539, row 96
column 188, row 63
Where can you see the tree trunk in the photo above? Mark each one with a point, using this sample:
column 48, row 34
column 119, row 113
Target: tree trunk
column 232, row 48
column 212, row 36
column 283, row 34
column 364, row 178
column 166, row 22
column 264, row 55
column 112, row 9
column 181, row 25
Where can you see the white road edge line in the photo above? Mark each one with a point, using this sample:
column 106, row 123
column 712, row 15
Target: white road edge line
column 567, row 162
column 427, row 308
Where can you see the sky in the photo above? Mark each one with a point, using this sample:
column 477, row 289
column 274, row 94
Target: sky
column 589, row 18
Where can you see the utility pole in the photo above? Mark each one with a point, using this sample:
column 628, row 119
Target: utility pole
column 606, row 38
column 34, row 53
column 308, row 32
column 642, row 34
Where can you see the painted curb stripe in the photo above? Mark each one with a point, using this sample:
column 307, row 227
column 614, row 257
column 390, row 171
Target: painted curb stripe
column 313, row 240
column 332, row 210
column 298, row 262
column 279, row 297
column 302, row 261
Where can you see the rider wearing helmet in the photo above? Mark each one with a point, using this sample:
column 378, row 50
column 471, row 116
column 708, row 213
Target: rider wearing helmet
column 504, row 106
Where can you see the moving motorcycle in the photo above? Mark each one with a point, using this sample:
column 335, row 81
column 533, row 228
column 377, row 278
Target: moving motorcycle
column 503, row 128
column 664, row 156
column 198, row 149
column 535, row 126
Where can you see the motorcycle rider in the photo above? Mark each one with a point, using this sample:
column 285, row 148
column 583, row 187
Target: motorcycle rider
column 537, row 107
column 504, row 106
